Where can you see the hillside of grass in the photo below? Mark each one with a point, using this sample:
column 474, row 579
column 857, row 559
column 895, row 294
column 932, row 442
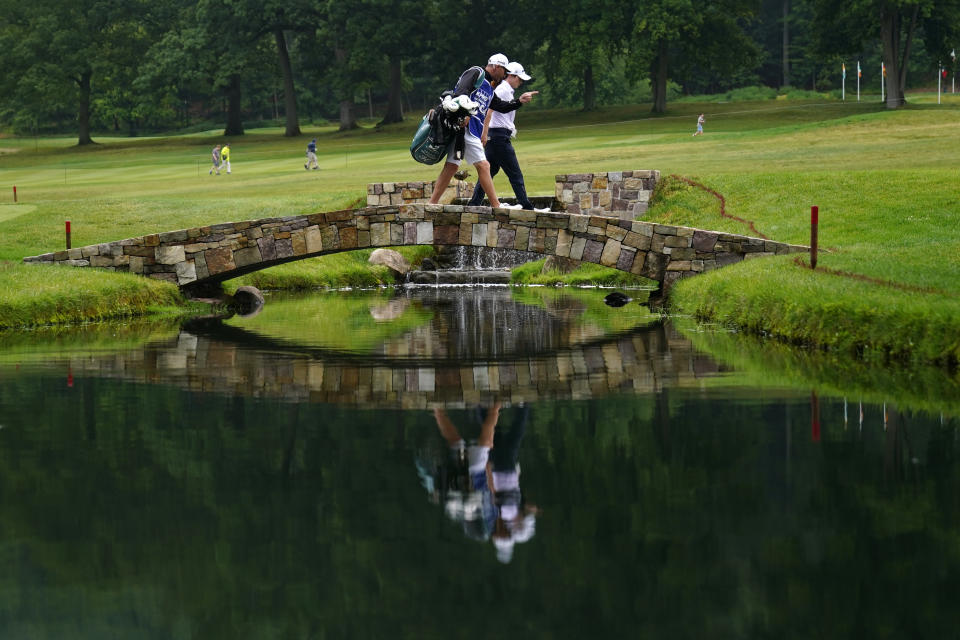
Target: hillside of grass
column 885, row 183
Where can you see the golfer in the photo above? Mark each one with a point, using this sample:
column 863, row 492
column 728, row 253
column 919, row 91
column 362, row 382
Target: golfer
column 499, row 149
column 699, row 131
column 225, row 157
column 311, row 156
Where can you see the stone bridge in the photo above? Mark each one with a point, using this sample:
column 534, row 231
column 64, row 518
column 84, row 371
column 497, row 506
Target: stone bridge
column 595, row 224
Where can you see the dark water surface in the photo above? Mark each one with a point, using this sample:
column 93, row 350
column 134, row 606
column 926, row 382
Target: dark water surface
column 298, row 475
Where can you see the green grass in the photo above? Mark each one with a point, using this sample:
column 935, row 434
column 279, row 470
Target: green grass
column 349, row 269
column 341, row 322
column 885, row 182
column 770, row 363
column 585, row 274
column 32, row 296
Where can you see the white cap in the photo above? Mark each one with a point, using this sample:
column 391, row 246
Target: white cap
column 499, row 60
column 516, row 69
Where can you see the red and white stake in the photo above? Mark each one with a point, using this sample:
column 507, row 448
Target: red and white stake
column 68, row 234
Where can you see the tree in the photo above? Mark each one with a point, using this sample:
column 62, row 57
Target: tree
column 219, row 45
column 709, row 34
column 53, row 51
column 398, row 39
column 585, row 34
column 845, row 28
column 275, row 18
column 338, row 31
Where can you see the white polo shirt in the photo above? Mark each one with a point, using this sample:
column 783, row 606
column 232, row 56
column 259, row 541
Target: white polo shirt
column 504, row 120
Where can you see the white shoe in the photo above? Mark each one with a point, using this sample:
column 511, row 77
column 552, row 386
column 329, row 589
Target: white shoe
column 511, row 206
column 544, row 210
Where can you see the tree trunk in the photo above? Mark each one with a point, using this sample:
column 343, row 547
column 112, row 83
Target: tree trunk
column 658, row 78
column 83, row 109
column 348, row 120
column 289, row 93
column 786, row 43
column 234, row 119
column 895, row 62
column 902, row 78
column 589, row 89
column 394, row 107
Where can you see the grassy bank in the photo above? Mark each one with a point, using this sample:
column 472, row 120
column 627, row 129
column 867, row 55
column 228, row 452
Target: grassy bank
column 884, row 183
column 31, row 296
column 887, row 286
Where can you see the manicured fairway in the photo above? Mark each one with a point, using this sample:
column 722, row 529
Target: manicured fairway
column 886, row 183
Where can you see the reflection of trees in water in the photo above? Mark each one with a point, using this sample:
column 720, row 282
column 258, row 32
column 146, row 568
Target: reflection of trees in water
column 128, row 508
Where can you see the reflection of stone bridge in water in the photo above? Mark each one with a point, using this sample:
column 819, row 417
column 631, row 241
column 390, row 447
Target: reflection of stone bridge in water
column 230, row 361
column 595, row 223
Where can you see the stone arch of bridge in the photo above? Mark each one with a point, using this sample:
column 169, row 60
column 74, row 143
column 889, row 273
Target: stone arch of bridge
column 597, row 224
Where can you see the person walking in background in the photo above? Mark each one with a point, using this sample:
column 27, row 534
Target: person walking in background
column 312, row 155
column 216, row 160
column 498, row 147
column 225, row 157
column 699, row 131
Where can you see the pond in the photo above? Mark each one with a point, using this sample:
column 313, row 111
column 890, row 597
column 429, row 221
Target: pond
column 463, row 462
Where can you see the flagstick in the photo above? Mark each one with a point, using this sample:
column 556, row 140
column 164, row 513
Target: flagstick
column 939, row 76
column 882, row 88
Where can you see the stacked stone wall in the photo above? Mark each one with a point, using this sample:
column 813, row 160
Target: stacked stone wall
column 220, row 252
column 397, row 193
column 619, row 194
column 598, row 227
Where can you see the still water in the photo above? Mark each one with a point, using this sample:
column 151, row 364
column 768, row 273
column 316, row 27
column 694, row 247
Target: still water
column 446, row 463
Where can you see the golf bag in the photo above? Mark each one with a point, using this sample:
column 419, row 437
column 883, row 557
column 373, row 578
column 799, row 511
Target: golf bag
column 443, row 123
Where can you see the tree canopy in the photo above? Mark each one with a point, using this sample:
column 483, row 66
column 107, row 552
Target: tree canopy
column 130, row 65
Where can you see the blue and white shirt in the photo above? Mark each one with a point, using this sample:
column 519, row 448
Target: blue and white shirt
column 475, row 82
column 481, row 95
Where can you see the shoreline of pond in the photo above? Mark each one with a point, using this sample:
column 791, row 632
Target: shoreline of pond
column 887, row 334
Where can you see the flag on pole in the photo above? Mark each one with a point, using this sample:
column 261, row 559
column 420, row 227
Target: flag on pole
column 858, row 68
column 883, row 80
column 843, row 68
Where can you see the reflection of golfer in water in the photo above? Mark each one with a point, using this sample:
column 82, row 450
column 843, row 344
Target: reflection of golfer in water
column 462, row 481
column 479, row 484
column 515, row 520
